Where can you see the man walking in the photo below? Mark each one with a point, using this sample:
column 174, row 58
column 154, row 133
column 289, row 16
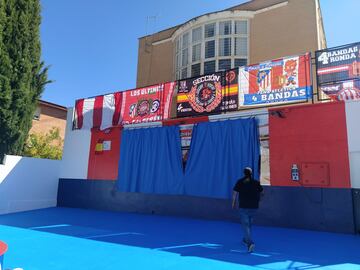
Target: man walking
column 248, row 190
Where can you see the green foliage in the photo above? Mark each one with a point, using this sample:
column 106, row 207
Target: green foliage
column 47, row 145
column 22, row 74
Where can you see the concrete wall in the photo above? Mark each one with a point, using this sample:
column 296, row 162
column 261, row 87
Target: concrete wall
column 353, row 130
column 352, row 109
column 314, row 137
column 75, row 158
column 305, row 208
column 28, row 184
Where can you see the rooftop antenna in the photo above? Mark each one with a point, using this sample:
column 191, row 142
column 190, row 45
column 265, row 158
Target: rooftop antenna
column 148, row 42
column 149, row 19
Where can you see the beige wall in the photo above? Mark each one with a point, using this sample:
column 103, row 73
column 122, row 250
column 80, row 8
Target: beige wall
column 155, row 59
column 155, row 62
column 282, row 31
column 50, row 117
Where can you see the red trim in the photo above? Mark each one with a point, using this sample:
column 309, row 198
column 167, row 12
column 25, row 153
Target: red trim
column 98, row 107
column 185, row 121
column 49, row 104
column 79, row 106
column 3, row 248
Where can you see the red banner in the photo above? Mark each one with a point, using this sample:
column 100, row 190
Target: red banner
column 147, row 104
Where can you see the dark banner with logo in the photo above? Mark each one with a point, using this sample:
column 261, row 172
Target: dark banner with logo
column 338, row 72
column 212, row 93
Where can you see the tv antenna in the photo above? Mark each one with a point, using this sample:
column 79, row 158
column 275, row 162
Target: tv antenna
column 151, row 19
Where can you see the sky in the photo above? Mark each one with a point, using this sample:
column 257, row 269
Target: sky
column 91, row 46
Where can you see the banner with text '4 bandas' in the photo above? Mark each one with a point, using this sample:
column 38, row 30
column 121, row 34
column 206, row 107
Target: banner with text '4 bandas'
column 338, row 72
column 284, row 80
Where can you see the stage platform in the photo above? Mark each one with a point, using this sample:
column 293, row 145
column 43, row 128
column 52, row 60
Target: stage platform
column 78, row 239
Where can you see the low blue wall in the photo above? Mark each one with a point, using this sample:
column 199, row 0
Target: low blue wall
column 356, row 201
column 304, row 208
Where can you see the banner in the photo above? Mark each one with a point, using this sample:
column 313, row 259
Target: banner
column 147, row 104
column 338, row 72
column 213, row 93
column 284, row 80
column 185, row 138
column 100, row 112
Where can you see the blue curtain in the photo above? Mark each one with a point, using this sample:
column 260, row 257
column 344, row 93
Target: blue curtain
column 150, row 161
column 219, row 152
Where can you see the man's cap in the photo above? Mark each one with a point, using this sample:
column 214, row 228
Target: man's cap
column 248, row 169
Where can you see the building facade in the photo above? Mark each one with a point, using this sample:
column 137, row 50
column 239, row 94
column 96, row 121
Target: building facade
column 47, row 116
column 249, row 33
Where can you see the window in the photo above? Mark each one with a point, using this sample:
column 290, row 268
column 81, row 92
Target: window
column 241, row 27
column 196, row 52
column 210, row 49
column 185, row 56
column 224, row 46
column 184, row 73
column 225, row 28
column 204, row 48
column 37, row 113
column 196, row 35
column 224, row 64
column 185, row 40
column 240, row 62
column 195, row 70
column 178, row 63
column 241, row 46
column 209, row 67
column 177, row 45
column 210, row 30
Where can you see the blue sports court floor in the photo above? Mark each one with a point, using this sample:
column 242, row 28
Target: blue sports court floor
column 74, row 239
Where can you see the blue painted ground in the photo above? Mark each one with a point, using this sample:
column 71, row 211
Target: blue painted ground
column 73, row 239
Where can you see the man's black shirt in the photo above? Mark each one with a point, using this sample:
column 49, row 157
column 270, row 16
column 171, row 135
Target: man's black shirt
column 249, row 193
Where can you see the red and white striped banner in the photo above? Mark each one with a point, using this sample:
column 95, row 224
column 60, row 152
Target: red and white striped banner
column 99, row 112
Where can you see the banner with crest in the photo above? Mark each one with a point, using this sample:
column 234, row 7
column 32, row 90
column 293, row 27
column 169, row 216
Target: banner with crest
column 284, row 80
column 148, row 104
column 212, row 93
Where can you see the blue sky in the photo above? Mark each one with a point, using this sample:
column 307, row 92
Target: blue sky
column 92, row 45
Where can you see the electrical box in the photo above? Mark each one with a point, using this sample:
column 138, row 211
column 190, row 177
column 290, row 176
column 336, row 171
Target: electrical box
column 315, row 174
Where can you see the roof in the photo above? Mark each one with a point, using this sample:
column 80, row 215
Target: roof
column 53, row 105
column 252, row 5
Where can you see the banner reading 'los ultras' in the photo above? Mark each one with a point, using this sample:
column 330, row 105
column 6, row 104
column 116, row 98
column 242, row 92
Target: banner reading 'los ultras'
column 338, row 72
column 213, row 93
column 284, row 80
column 147, row 104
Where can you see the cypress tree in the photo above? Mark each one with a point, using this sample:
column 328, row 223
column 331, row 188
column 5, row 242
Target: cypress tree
column 22, row 74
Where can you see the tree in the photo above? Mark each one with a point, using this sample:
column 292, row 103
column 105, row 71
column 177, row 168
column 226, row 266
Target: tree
column 48, row 145
column 22, row 74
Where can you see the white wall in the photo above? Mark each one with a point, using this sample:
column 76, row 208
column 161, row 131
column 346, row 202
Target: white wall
column 75, row 158
column 353, row 131
column 28, row 184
